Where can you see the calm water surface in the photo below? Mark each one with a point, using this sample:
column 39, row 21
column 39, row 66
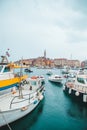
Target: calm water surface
column 56, row 112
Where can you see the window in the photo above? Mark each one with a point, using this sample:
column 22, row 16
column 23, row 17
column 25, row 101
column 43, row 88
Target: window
column 6, row 69
column 33, row 83
column 81, row 80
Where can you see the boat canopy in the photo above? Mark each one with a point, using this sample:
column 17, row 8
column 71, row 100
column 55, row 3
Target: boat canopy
column 13, row 65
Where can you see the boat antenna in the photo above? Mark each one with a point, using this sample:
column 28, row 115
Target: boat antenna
column 5, row 120
column 4, row 59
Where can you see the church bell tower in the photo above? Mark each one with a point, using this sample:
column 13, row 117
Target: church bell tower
column 44, row 53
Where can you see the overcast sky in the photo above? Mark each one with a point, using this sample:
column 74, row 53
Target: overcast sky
column 28, row 27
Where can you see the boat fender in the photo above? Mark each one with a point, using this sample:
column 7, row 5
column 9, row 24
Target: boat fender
column 70, row 91
column 24, row 108
column 13, row 90
column 30, row 87
column 35, row 102
column 64, row 87
column 84, row 98
column 77, row 93
column 40, row 97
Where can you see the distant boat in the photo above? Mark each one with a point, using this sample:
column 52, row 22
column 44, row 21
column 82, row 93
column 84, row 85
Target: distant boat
column 49, row 72
column 66, row 70
column 28, row 70
column 39, row 77
column 55, row 78
column 8, row 77
column 42, row 78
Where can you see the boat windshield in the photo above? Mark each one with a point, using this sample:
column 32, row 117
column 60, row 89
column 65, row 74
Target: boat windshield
column 82, row 80
column 33, row 82
column 1, row 68
column 7, row 69
column 71, row 79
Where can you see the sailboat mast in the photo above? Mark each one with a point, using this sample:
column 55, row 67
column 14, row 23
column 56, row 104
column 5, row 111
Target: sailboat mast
column 20, row 85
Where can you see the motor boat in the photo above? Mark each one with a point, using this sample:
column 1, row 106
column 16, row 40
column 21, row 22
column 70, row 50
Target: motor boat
column 49, row 72
column 55, row 78
column 8, row 76
column 28, row 70
column 41, row 77
column 77, row 87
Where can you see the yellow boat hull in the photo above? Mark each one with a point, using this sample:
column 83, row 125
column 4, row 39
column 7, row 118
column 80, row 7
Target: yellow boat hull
column 4, row 84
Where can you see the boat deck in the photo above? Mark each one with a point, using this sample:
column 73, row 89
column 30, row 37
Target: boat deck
column 10, row 101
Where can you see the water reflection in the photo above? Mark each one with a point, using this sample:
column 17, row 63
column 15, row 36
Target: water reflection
column 26, row 122
column 77, row 110
column 56, row 84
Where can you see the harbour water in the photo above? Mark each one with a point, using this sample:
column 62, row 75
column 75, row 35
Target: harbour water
column 56, row 112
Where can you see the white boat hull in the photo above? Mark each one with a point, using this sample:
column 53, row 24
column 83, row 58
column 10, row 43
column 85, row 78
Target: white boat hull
column 13, row 115
column 19, row 102
column 54, row 80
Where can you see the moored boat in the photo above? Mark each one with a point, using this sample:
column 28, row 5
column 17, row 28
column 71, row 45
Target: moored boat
column 18, row 94
column 28, row 70
column 38, row 77
column 21, row 101
column 49, row 72
column 55, row 78
column 77, row 87
column 8, row 77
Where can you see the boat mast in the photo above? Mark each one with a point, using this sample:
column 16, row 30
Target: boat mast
column 20, row 84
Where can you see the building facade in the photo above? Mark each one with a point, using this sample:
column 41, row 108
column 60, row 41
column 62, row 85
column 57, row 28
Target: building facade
column 84, row 64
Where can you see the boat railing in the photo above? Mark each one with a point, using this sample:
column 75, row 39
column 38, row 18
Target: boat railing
column 30, row 96
column 81, row 88
column 17, row 74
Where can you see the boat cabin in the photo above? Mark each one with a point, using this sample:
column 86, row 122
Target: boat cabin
column 34, row 82
column 82, row 79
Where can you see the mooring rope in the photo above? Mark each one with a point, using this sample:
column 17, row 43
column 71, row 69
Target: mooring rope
column 5, row 120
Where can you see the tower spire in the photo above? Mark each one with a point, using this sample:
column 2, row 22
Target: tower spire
column 45, row 53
